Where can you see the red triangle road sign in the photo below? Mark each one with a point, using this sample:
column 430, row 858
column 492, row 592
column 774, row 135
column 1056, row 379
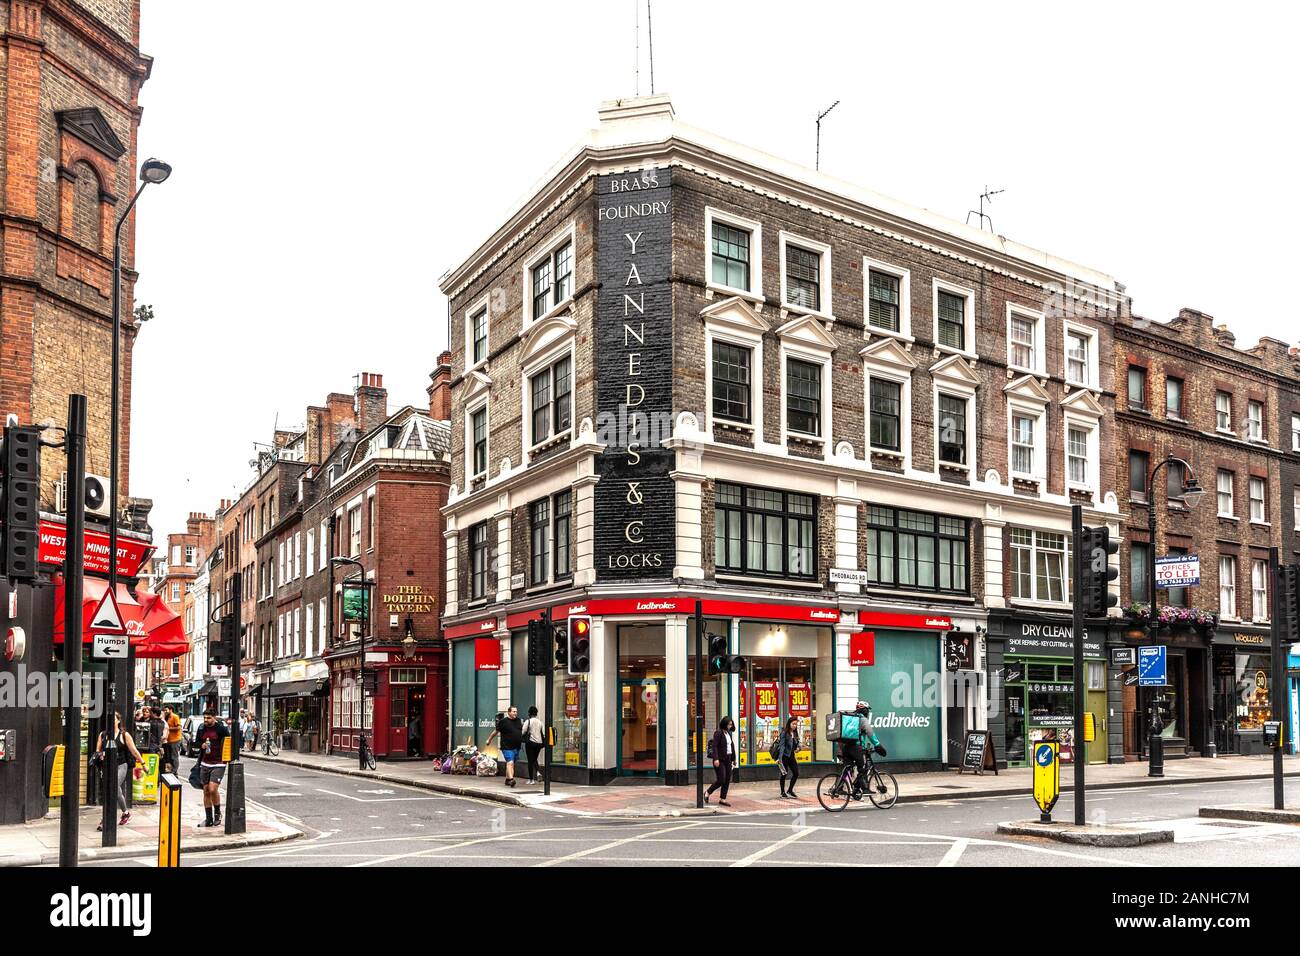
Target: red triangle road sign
column 107, row 618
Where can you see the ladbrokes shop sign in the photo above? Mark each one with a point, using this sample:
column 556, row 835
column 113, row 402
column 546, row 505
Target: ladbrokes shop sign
column 634, row 535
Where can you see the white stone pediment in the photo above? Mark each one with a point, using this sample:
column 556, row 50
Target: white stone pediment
column 735, row 313
column 1083, row 402
column 477, row 385
column 890, row 352
column 808, row 331
column 1026, row 387
column 955, row 368
column 542, row 336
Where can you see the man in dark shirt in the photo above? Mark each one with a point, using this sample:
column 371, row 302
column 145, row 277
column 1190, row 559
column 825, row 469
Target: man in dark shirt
column 211, row 740
column 511, row 729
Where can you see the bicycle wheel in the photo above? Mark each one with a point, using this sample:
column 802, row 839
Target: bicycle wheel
column 272, row 746
column 882, row 789
column 832, row 792
column 369, row 757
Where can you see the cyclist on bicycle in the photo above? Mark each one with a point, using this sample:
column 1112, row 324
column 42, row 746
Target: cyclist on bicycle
column 852, row 750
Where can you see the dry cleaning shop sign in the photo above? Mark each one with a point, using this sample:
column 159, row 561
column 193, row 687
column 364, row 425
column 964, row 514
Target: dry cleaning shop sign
column 635, row 534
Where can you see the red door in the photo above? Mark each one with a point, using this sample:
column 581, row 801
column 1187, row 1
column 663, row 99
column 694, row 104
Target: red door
column 396, row 720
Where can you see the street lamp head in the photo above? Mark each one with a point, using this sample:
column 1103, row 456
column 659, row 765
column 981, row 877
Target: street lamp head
column 1192, row 491
column 338, row 559
column 154, row 171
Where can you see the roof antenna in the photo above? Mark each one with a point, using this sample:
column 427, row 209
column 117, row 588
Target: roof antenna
column 650, row 35
column 986, row 196
column 820, row 116
column 636, row 8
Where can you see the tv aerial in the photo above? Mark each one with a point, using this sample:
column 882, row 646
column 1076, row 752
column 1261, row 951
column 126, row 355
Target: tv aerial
column 985, row 197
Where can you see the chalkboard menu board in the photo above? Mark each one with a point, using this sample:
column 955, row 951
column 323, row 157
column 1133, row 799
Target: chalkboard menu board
column 979, row 753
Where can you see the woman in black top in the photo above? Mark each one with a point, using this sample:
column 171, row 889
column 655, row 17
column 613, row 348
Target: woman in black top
column 724, row 760
column 125, row 748
column 789, row 741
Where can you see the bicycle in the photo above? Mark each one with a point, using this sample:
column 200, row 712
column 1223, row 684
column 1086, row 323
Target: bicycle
column 835, row 790
column 270, row 745
column 366, row 754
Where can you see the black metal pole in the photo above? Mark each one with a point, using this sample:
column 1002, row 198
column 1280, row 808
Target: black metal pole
column 236, row 651
column 1155, row 743
column 697, row 730
column 1278, row 696
column 69, row 805
column 549, row 634
column 1080, row 746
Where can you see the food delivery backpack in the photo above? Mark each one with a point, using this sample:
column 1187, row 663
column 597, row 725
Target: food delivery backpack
column 843, row 726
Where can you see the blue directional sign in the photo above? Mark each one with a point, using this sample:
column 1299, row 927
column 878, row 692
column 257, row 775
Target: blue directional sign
column 1153, row 668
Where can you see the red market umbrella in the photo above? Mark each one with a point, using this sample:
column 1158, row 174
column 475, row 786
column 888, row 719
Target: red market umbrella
column 164, row 633
column 92, row 591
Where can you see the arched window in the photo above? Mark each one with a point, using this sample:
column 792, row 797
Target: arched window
column 85, row 226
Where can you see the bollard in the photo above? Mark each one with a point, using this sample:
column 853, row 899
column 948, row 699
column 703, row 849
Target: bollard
column 169, row 820
column 234, row 808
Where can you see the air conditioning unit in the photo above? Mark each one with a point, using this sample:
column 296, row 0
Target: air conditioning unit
column 96, row 496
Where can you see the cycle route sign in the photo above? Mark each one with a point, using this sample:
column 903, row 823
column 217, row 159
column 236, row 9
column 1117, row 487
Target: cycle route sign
column 1153, row 668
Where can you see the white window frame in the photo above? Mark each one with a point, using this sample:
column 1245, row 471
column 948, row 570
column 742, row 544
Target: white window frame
column 1255, row 426
column 1232, row 496
column 544, row 362
column 324, row 545
column 311, row 551
column 1039, row 364
column 732, row 332
column 1090, row 361
column 309, row 630
column 968, row 314
column 322, row 625
column 755, row 230
column 1223, row 429
column 872, row 367
column 1092, row 452
column 566, row 233
column 813, row 356
column 483, row 304
column 1295, row 431
column 1228, row 587
column 297, row 555
column 470, row 411
column 1262, row 499
column 1259, row 590
column 1066, row 565
column 1018, row 408
column 904, row 277
column 823, row 252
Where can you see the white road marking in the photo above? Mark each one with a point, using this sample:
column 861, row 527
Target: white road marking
column 348, row 796
column 769, row 850
column 615, row 843
column 281, row 793
column 954, row 853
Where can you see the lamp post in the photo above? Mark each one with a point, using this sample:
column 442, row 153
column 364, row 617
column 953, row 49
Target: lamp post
column 361, row 637
column 151, row 171
column 1191, row 494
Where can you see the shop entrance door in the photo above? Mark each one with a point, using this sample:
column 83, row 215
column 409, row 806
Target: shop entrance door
column 641, row 731
column 397, row 717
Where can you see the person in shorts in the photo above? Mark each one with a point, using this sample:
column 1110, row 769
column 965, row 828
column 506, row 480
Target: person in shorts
column 511, row 730
column 211, row 741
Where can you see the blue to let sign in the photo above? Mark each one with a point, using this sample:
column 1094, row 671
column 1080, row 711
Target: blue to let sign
column 1152, row 666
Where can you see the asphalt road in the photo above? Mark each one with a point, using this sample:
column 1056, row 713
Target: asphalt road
column 354, row 822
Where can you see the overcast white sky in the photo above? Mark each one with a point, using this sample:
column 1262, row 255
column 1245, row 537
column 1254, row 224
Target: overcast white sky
column 332, row 159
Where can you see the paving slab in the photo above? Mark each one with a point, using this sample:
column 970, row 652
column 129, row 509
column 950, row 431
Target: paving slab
column 1118, row 835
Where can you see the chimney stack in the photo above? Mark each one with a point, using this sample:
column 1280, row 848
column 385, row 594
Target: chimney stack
column 440, row 390
column 372, row 402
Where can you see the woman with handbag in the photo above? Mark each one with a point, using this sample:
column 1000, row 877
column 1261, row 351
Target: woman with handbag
column 722, row 751
column 783, row 750
column 125, row 746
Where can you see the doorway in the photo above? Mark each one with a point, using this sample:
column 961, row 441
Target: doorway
column 641, row 728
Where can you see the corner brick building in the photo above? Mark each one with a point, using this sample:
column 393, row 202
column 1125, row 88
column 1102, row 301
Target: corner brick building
column 686, row 370
column 1233, row 415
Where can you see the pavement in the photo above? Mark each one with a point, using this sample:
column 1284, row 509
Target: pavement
column 651, row 801
column 37, row 842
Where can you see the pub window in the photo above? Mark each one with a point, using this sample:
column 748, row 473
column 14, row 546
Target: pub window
column 552, row 280
column 562, row 504
column 730, row 256
column 885, row 291
column 731, row 382
column 803, row 401
column 886, row 414
column 802, row 278
column 478, row 560
column 478, row 426
column 480, row 332
column 551, row 394
column 765, row 531
column 539, row 528
column 951, row 320
column 917, row 551
column 952, row 429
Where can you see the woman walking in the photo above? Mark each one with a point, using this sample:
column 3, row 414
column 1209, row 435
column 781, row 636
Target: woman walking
column 789, row 767
column 125, row 746
column 722, row 751
column 534, row 741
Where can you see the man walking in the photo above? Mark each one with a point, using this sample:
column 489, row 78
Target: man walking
column 172, row 741
column 211, row 740
column 511, row 729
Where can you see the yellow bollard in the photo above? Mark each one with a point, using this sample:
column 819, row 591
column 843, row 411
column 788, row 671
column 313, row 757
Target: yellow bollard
column 169, row 820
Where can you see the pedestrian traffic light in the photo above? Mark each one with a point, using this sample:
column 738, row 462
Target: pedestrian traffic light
column 1094, row 589
column 579, row 656
column 20, row 489
column 539, row 649
column 1287, row 599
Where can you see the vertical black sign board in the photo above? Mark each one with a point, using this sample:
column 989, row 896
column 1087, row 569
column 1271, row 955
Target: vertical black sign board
column 979, row 753
column 635, row 535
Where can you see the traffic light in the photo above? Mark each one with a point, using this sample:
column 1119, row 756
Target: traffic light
column 579, row 656
column 538, row 649
column 1094, row 589
column 1287, row 599
column 219, row 651
column 561, row 637
column 720, row 662
column 20, row 490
